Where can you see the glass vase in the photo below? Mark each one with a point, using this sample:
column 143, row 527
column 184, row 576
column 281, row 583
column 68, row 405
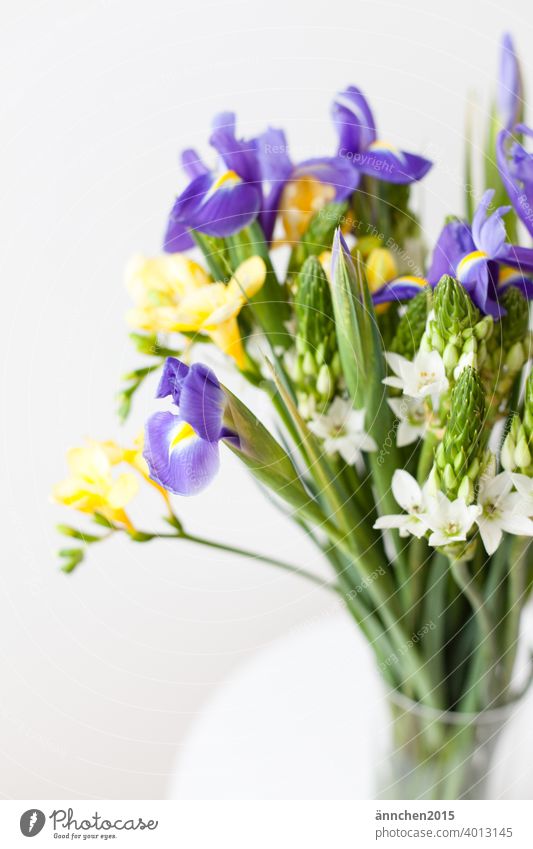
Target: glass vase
column 429, row 754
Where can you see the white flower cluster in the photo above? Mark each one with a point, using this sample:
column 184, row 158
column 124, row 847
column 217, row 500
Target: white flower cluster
column 504, row 503
column 342, row 430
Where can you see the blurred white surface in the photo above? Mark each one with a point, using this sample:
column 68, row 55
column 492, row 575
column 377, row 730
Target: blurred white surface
column 306, row 719
column 102, row 672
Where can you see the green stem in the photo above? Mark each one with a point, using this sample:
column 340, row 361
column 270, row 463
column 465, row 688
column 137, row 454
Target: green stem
column 466, row 584
column 260, row 558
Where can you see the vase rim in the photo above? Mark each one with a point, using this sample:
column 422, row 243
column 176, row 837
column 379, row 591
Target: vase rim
column 488, row 715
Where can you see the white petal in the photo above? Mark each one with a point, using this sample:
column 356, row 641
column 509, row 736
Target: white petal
column 398, row 407
column 396, row 382
column 491, row 534
column 405, row 489
column 393, row 520
column 524, row 484
column 513, row 523
column 396, row 362
column 408, row 433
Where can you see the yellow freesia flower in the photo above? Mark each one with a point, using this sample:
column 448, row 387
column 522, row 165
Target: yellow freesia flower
column 300, row 200
column 91, row 487
column 174, row 294
column 380, row 268
column 157, row 285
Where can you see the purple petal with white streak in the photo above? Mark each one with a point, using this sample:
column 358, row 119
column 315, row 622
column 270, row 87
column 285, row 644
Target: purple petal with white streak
column 185, row 469
column 353, row 120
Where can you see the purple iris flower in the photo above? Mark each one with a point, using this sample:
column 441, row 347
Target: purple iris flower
column 181, row 446
column 510, row 89
column 515, row 164
column 277, row 170
column 358, row 142
column 479, row 256
column 257, row 171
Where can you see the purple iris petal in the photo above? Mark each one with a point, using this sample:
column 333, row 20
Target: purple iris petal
column 516, row 170
column 509, row 84
column 192, row 164
column 395, row 292
column 338, row 250
column 333, row 170
column 238, row 155
column 219, row 211
column 516, row 257
column 353, row 120
column 488, row 231
column 172, row 377
column 273, row 155
column 201, row 402
column 392, row 166
column 455, row 242
column 276, row 168
column 183, row 466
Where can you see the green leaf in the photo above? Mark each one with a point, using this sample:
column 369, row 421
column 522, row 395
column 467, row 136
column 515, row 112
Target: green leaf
column 67, row 531
column 363, row 366
column 266, row 459
column 72, row 557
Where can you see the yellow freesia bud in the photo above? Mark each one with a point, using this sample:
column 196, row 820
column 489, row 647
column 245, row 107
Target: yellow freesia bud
column 300, row 200
column 380, row 268
column 325, row 261
column 91, row 487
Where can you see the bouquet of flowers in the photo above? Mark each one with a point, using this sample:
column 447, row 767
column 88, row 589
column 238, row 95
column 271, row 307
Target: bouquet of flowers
column 403, row 443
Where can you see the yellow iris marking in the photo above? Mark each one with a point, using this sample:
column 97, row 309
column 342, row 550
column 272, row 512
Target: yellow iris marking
column 226, row 177
column 185, row 432
column 383, row 145
column 469, row 259
column 409, row 278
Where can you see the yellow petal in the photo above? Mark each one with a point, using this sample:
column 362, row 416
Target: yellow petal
column 122, row 491
column 89, row 462
column 247, row 279
column 154, row 281
column 380, row 268
column 301, row 198
column 228, row 338
column 196, row 307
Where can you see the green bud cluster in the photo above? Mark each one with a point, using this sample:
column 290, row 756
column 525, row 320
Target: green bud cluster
column 460, row 456
column 457, row 328
column 508, row 348
column 517, row 449
column 412, row 325
column 317, row 368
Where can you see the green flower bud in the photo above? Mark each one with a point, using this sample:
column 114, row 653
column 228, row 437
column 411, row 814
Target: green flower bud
column 464, row 437
column 522, row 454
column 527, row 417
column 466, row 490
column 411, row 326
column 317, row 364
column 507, row 454
column 454, row 309
column 314, row 309
column 450, row 357
column 324, row 382
column 514, row 324
column 515, row 357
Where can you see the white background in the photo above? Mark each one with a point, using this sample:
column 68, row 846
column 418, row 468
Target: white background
column 102, row 672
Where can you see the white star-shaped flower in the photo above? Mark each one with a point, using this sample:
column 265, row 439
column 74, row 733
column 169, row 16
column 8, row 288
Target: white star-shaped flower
column 411, row 414
column 449, row 521
column 343, row 430
column 502, row 510
column 424, row 376
column 412, row 499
